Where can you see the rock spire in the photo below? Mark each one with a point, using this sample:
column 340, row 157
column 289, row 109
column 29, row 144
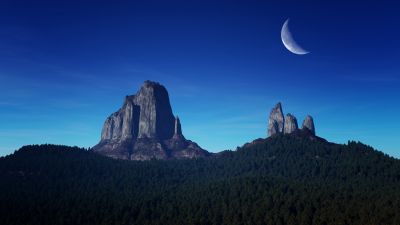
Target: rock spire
column 308, row 123
column 178, row 129
column 276, row 120
column 278, row 124
column 290, row 124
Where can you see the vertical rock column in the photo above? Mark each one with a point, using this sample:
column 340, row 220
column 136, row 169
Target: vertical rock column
column 276, row 120
column 178, row 129
column 308, row 123
column 290, row 124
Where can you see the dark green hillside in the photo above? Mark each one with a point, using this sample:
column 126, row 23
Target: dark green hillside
column 280, row 180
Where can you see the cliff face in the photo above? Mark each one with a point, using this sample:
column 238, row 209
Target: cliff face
column 145, row 128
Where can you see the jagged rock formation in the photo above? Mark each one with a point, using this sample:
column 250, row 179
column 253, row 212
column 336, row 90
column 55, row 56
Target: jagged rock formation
column 178, row 129
column 278, row 124
column 308, row 123
column 276, row 120
column 145, row 128
column 290, row 124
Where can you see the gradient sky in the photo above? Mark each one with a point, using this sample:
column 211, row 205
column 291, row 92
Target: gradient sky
column 65, row 66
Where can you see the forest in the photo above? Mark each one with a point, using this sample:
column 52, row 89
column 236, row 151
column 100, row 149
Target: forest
column 282, row 180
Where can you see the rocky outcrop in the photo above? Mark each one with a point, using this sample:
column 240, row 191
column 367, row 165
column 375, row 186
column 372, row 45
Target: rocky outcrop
column 308, row 123
column 183, row 148
column 290, row 124
column 145, row 128
column 278, row 124
column 178, row 129
column 276, row 120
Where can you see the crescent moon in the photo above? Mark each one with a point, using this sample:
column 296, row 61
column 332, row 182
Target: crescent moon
column 289, row 42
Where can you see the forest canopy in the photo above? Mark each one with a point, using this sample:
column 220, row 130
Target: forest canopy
column 279, row 180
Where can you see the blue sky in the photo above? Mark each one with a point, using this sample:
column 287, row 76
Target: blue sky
column 65, row 66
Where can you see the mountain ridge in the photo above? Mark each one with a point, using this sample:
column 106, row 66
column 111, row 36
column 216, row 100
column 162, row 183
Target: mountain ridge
column 291, row 177
column 145, row 128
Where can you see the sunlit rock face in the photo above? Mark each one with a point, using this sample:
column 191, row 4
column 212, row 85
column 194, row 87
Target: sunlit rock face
column 276, row 120
column 290, row 124
column 145, row 128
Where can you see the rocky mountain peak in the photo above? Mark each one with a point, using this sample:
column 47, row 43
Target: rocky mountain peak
column 155, row 117
column 143, row 127
column 276, row 120
column 308, row 123
column 290, row 124
column 148, row 83
column 278, row 124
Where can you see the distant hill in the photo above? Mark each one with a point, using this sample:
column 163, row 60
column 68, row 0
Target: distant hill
column 284, row 179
